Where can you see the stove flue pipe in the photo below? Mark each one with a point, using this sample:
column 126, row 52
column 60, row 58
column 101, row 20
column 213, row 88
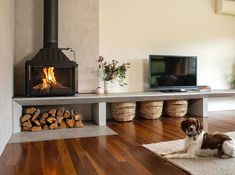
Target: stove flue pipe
column 50, row 35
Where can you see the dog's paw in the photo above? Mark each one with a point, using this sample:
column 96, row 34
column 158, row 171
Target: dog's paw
column 164, row 154
column 168, row 156
column 224, row 156
column 193, row 157
column 177, row 156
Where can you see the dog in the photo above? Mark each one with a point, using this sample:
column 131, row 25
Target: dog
column 199, row 143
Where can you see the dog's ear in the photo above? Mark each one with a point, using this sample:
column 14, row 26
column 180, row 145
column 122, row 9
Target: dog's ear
column 199, row 126
column 184, row 125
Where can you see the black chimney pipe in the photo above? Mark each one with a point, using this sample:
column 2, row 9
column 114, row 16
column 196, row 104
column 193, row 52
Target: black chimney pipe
column 50, row 36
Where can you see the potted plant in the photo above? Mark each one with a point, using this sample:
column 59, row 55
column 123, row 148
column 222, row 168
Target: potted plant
column 112, row 71
column 232, row 82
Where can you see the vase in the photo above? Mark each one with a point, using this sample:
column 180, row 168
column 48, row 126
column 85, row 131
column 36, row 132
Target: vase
column 99, row 90
column 107, row 87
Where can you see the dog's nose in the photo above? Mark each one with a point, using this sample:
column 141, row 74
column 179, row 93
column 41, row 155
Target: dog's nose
column 191, row 128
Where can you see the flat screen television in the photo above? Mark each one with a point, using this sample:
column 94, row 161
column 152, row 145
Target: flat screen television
column 172, row 73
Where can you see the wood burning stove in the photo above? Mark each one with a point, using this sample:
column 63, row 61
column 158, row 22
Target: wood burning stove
column 51, row 72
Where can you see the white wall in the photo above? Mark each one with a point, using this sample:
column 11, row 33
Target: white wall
column 7, row 50
column 130, row 30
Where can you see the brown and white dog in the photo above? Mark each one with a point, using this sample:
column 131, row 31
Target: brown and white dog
column 199, row 143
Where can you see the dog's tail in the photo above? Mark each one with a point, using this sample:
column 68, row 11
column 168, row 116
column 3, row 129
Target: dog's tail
column 229, row 148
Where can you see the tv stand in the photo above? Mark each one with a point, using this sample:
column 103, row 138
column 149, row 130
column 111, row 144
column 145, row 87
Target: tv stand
column 174, row 90
column 100, row 104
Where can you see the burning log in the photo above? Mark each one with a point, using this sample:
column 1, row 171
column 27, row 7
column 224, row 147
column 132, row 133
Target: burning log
column 45, row 87
column 49, row 81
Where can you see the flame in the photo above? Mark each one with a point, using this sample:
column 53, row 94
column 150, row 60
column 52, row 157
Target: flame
column 49, row 80
column 49, row 75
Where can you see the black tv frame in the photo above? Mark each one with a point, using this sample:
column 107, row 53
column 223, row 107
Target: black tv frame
column 170, row 88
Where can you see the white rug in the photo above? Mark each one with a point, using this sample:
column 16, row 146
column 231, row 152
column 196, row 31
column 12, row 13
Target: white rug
column 199, row 166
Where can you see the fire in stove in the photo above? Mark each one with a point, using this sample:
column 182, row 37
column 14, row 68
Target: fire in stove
column 49, row 81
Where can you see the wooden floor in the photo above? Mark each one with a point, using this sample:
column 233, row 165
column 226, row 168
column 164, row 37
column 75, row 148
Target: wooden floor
column 112, row 155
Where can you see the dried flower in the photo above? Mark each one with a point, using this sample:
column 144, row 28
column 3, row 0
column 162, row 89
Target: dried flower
column 100, row 59
column 113, row 70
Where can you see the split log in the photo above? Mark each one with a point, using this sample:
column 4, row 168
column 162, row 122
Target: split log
column 32, row 120
column 30, row 110
column 25, row 128
column 25, row 118
column 66, row 114
column 63, row 124
column 43, row 121
column 54, row 125
column 77, row 116
column 60, row 112
column 45, row 115
column 27, row 124
column 36, row 128
column 36, row 114
column 51, row 119
column 72, row 114
column 79, row 124
column 45, row 127
column 59, row 119
column 37, row 122
column 70, row 123
column 52, row 112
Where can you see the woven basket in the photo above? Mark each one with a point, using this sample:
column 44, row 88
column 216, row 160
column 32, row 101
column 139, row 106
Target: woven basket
column 151, row 109
column 176, row 108
column 124, row 111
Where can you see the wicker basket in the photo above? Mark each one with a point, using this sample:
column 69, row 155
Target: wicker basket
column 176, row 108
column 151, row 109
column 124, row 111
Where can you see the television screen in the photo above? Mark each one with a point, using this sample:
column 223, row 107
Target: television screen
column 172, row 72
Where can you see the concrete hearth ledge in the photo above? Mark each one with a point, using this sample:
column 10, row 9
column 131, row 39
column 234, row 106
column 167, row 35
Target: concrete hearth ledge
column 90, row 130
column 121, row 97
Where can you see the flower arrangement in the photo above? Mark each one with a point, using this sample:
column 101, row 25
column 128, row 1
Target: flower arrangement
column 113, row 70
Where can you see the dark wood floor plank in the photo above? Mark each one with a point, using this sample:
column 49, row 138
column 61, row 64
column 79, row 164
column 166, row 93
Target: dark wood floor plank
column 66, row 158
column 107, row 155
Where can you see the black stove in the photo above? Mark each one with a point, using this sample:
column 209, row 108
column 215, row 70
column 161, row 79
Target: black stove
column 51, row 72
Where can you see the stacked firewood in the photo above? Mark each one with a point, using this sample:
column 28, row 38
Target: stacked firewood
column 33, row 120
